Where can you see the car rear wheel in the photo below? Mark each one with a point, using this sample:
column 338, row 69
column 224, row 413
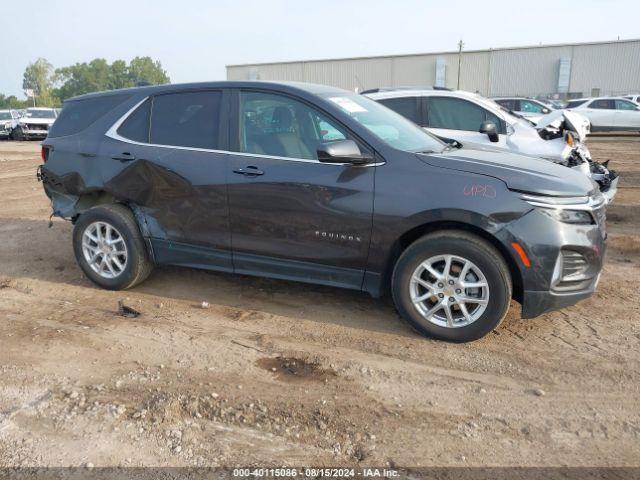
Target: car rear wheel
column 452, row 285
column 109, row 247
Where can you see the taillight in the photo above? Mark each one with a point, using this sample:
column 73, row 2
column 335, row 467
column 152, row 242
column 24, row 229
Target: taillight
column 44, row 153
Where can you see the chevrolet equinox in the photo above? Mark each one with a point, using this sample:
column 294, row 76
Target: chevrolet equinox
column 316, row 184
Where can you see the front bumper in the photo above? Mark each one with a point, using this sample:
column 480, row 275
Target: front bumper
column 34, row 133
column 545, row 241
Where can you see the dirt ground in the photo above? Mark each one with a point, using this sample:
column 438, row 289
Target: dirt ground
column 276, row 373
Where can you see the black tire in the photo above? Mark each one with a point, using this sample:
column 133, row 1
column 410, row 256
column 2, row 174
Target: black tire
column 472, row 248
column 17, row 135
column 138, row 265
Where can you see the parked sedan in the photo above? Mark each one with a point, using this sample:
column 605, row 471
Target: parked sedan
column 473, row 121
column 608, row 113
column 8, row 121
column 35, row 123
column 529, row 108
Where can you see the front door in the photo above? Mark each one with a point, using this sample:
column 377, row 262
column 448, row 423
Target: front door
column 292, row 216
column 459, row 119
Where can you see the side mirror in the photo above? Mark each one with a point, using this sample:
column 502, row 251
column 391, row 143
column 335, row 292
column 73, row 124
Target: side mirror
column 546, row 110
column 490, row 129
column 341, row 151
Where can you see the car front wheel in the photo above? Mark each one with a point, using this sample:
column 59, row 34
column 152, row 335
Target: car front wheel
column 452, row 286
column 109, row 247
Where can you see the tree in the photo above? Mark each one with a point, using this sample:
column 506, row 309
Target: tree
column 144, row 69
column 12, row 101
column 98, row 75
column 39, row 77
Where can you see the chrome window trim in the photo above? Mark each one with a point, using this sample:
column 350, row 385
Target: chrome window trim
column 113, row 133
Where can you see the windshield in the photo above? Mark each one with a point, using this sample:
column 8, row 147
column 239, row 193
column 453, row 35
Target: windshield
column 40, row 113
column 386, row 124
column 5, row 116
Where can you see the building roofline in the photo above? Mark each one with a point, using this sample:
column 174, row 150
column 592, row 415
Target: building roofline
column 450, row 52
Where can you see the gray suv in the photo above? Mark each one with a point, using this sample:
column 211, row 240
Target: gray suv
column 316, row 184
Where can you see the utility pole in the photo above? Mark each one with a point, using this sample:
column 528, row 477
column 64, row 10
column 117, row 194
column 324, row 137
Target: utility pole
column 460, row 45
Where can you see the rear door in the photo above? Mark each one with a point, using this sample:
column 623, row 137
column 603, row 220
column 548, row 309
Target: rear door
column 167, row 159
column 292, row 216
column 627, row 115
column 601, row 113
column 460, row 119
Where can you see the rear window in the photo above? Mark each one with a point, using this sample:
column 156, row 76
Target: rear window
column 77, row 115
column 575, row 103
column 188, row 119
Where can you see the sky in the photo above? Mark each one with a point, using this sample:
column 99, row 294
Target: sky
column 195, row 39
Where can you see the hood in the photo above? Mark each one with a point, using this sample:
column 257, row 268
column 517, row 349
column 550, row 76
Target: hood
column 37, row 121
column 519, row 172
column 578, row 124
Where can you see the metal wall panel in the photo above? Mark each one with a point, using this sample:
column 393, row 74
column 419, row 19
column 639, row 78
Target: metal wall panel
column 613, row 67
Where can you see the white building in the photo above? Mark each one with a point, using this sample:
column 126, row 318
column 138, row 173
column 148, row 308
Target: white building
column 577, row 69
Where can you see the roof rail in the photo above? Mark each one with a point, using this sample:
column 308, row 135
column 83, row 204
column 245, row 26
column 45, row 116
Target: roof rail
column 393, row 89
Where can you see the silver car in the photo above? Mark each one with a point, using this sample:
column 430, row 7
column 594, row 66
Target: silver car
column 8, row 121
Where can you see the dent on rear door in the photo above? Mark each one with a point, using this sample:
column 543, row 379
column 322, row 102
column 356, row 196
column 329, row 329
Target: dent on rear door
column 179, row 193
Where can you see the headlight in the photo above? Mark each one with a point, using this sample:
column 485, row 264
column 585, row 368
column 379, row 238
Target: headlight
column 578, row 217
column 569, row 139
column 574, row 210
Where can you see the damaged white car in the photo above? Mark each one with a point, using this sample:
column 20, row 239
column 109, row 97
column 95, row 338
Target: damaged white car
column 471, row 120
column 35, row 123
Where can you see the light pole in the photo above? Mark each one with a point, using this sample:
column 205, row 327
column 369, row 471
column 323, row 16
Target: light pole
column 460, row 45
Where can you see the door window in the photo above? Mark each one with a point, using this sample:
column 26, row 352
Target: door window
column 624, row 105
column 405, row 106
column 457, row 114
column 509, row 104
column 530, row 107
column 186, row 119
column 602, row 104
column 280, row 126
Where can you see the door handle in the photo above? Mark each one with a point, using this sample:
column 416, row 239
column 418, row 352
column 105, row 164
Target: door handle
column 124, row 157
column 249, row 171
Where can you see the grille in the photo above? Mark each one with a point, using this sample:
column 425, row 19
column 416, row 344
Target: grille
column 37, row 126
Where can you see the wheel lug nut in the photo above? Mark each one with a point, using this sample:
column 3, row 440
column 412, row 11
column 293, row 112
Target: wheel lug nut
column 451, row 299
column 441, row 295
column 450, row 282
column 440, row 285
column 458, row 290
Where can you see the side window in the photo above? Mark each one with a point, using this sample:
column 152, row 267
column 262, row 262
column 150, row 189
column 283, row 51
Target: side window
column 624, row 105
column 136, row 126
column 280, row 126
column 79, row 114
column 530, row 107
column 186, row 119
column 408, row 107
column 509, row 104
column 457, row 114
column 602, row 104
column 575, row 103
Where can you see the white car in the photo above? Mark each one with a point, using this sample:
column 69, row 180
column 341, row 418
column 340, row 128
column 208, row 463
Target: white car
column 8, row 121
column 473, row 121
column 634, row 98
column 35, row 123
column 529, row 108
column 608, row 114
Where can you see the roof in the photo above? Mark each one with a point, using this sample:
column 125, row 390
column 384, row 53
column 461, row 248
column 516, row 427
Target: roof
column 447, row 52
column 169, row 87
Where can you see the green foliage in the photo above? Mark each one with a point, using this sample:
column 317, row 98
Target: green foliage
column 12, row 101
column 39, row 77
column 51, row 87
column 98, row 75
